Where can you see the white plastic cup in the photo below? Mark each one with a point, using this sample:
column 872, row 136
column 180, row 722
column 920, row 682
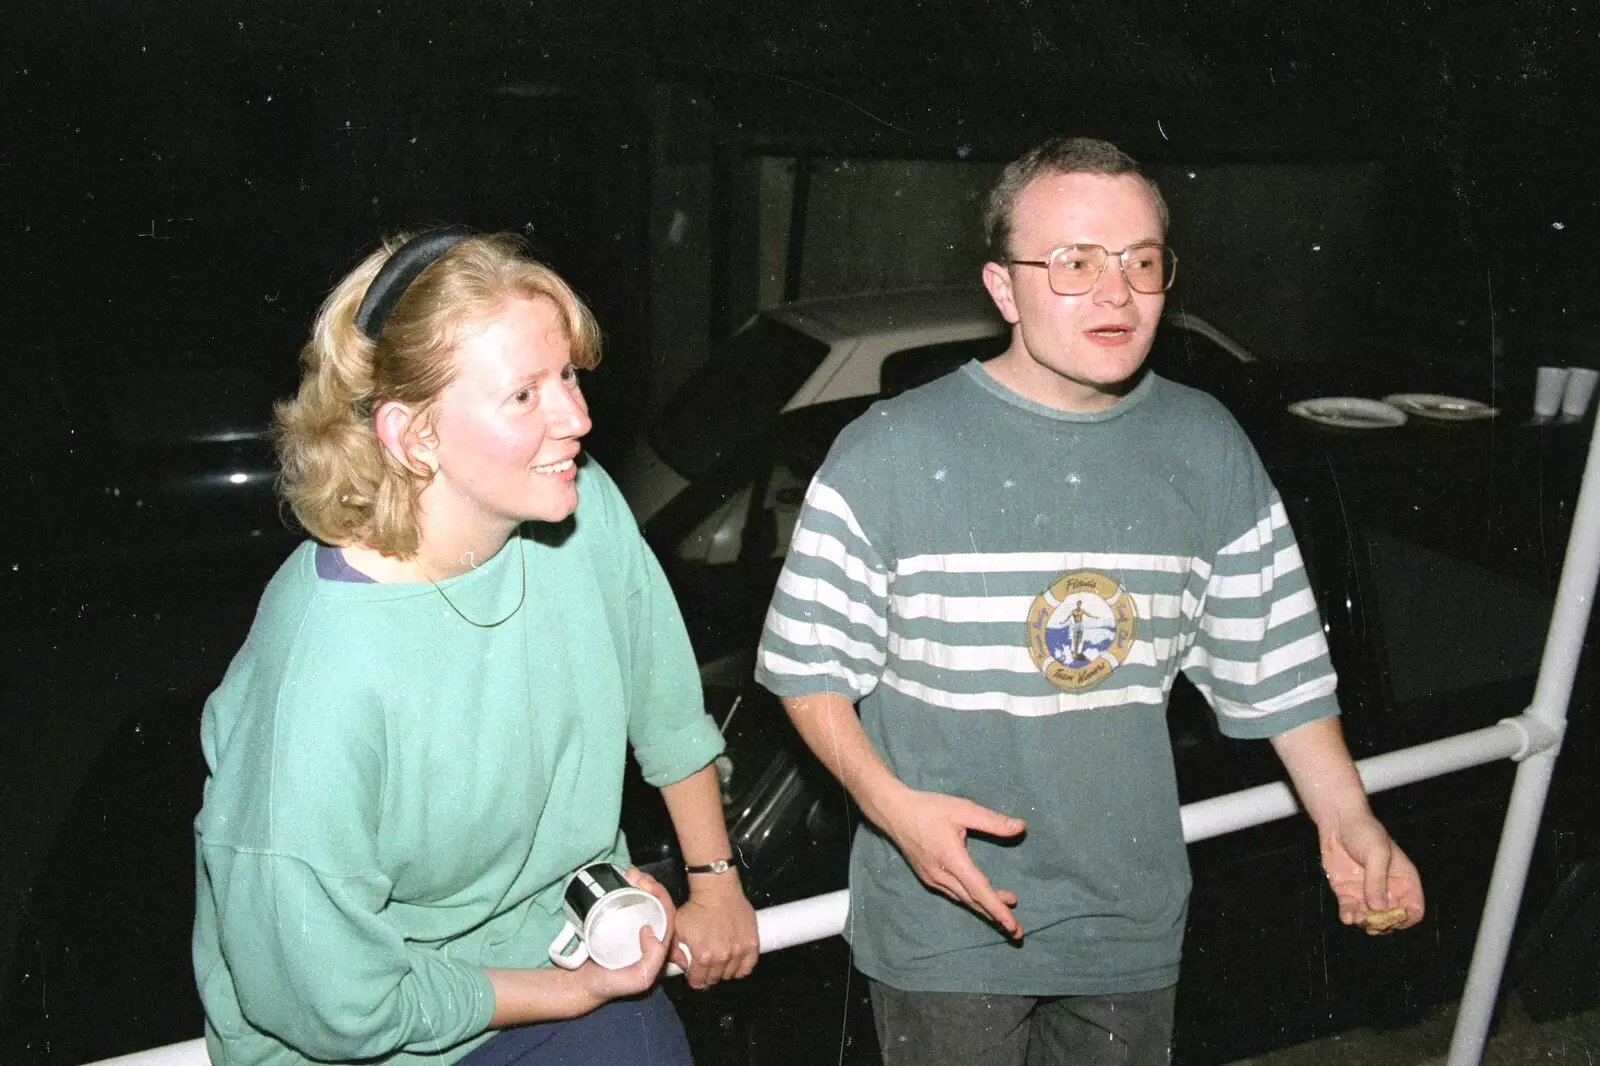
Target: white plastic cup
column 1549, row 384
column 1579, row 391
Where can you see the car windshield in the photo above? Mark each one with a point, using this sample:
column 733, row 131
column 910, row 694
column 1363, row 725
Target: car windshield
column 717, row 422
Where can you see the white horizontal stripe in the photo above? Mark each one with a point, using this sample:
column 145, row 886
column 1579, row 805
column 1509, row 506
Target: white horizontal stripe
column 1287, row 609
column 962, row 608
column 815, row 590
column 1150, row 606
column 970, row 657
column 830, row 548
column 811, row 635
column 828, row 500
column 1014, row 658
column 1250, row 540
column 1273, row 663
column 1250, row 586
column 1015, row 608
column 1290, row 607
column 1052, row 563
column 1295, row 653
column 1253, row 538
column 1025, row 706
column 783, row 666
column 1241, row 586
column 1313, row 689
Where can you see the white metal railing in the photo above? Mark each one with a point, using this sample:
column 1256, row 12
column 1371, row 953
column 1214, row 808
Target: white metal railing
column 1532, row 739
column 1563, row 646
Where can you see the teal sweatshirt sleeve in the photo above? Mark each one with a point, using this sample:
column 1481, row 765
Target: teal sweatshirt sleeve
column 315, row 964
column 671, row 733
column 289, row 841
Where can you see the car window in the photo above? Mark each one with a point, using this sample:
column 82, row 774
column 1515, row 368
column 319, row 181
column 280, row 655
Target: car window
column 1450, row 625
column 720, row 539
column 910, row 367
column 124, row 444
column 199, row 401
column 115, row 396
column 718, row 423
column 1190, row 358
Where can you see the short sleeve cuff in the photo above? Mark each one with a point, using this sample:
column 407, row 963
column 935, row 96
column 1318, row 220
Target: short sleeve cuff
column 1278, row 722
column 853, row 688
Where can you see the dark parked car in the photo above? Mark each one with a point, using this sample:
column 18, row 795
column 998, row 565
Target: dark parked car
column 142, row 529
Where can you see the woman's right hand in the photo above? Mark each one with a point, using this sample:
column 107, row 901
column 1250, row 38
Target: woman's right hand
column 547, row 993
column 606, row 985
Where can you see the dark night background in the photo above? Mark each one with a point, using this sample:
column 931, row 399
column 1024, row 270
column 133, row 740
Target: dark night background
column 213, row 167
column 182, row 182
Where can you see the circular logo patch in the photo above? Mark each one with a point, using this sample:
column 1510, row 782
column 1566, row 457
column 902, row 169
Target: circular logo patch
column 1081, row 628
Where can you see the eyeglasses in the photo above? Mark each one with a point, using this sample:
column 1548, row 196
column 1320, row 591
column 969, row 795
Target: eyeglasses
column 1076, row 269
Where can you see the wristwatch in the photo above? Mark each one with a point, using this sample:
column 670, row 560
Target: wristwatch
column 721, row 866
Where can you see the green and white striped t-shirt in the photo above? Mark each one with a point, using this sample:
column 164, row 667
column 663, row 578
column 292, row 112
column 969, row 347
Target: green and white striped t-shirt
column 1009, row 591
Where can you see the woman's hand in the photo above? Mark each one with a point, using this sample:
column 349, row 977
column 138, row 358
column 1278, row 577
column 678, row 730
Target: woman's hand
column 606, row 985
column 719, row 927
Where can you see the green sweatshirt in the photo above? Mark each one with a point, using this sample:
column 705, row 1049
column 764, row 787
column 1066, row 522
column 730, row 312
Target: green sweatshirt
column 396, row 796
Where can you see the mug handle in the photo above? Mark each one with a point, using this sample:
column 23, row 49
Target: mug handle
column 672, row 969
column 569, row 960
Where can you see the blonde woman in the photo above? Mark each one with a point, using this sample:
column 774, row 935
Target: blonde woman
column 426, row 730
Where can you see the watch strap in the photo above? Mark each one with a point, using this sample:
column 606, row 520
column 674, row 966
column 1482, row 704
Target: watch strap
column 720, row 866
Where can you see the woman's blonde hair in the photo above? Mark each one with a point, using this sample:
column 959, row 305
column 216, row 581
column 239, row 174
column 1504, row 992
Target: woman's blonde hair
column 337, row 477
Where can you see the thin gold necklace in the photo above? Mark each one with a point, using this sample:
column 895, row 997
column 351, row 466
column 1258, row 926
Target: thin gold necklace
column 523, row 555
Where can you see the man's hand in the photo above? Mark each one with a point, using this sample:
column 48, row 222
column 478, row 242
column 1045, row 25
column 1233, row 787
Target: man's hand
column 1368, row 872
column 930, row 829
column 719, row 926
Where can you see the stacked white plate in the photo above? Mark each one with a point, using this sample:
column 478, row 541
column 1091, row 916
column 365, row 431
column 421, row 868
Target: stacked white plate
column 1349, row 412
column 1358, row 412
column 1443, row 408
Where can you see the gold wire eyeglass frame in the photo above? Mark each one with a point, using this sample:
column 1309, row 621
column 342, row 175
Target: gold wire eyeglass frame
column 1170, row 267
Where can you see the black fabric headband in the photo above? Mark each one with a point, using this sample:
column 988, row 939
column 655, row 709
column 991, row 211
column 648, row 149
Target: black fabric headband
column 397, row 274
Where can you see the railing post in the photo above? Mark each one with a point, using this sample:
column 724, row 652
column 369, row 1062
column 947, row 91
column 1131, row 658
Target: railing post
column 1551, row 694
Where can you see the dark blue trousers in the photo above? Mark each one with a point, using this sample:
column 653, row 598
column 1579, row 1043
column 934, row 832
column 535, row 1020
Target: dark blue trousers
column 644, row 1031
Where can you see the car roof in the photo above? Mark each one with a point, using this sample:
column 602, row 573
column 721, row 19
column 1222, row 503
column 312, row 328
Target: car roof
column 833, row 317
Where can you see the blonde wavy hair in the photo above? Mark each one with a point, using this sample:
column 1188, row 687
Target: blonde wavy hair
column 335, row 474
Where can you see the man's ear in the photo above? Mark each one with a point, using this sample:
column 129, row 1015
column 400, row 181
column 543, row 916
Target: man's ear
column 408, row 439
column 997, row 279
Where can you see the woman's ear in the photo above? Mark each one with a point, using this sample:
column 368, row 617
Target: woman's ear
column 408, row 439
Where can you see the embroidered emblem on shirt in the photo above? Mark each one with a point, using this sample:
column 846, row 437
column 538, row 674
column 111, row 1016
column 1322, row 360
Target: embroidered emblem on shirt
column 1081, row 628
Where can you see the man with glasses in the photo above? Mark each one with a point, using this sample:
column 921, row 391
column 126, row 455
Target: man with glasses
column 1006, row 568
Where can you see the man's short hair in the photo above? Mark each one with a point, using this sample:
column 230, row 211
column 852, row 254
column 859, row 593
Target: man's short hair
column 1058, row 155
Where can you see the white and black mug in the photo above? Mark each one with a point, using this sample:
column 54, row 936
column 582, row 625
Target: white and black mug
column 604, row 916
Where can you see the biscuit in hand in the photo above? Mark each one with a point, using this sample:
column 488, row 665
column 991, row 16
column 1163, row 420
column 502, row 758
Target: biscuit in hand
column 1384, row 921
